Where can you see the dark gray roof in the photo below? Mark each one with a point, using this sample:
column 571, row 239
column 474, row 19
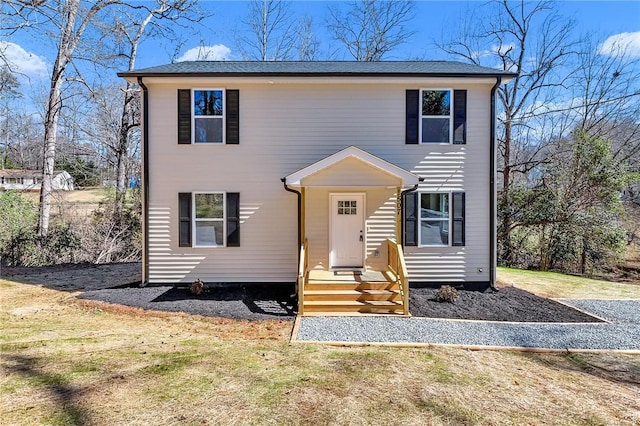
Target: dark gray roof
column 309, row 69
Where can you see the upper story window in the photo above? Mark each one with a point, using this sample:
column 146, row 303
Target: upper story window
column 436, row 123
column 208, row 116
column 436, row 116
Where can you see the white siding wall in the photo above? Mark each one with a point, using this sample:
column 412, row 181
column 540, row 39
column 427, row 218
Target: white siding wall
column 283, row 128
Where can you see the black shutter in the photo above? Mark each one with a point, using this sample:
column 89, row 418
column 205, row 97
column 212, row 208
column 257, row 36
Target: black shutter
column 457, row 224
column 413, row 115
column 184, row 116
column 459, row 117
column 410, row 219
column 184, row 212
column 233, row 219
column 233, row 116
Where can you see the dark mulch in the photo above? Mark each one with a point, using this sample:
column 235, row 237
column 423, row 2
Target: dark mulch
column 236, row 301
column 112, row 283
column 507, row 304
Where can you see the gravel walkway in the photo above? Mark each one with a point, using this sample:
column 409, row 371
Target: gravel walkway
column 621, row 333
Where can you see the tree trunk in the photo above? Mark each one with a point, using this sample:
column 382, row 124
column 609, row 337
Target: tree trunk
column 122, row 155
column 67, row 44
column 505, row 199
column 50, row 132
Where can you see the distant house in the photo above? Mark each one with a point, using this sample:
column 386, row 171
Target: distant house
column 329, row 174
column 30, row 180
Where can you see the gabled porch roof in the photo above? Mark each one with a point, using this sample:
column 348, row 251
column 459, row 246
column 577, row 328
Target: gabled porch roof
column 397, row 175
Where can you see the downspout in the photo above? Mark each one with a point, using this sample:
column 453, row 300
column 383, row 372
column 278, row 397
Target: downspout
column 299, row 194
column 492, row 189
column 145, row 183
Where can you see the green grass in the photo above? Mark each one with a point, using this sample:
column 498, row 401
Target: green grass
column 556, row 285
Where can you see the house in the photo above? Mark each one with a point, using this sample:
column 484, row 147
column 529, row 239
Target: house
column 352, row 179
column 31, row 180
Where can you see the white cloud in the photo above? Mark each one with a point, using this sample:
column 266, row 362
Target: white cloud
column 26, row 63
column 219, row 52
column 628, row 43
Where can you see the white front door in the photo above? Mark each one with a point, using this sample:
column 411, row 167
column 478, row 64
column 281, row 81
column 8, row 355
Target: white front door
column 347, row 234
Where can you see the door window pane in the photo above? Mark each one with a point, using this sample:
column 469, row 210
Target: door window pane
column 347, row 207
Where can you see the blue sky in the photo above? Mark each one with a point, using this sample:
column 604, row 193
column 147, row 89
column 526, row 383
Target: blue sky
column 602, row 19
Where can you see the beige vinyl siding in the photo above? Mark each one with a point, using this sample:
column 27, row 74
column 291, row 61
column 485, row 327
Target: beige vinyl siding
column 352, row 171
column 379, row 224
column 284, row 128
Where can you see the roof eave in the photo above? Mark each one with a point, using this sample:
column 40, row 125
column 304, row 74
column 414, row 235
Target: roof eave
column 133, row 74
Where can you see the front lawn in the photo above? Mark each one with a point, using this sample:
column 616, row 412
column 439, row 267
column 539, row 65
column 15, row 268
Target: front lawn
column 67, row 361
column 561, row 286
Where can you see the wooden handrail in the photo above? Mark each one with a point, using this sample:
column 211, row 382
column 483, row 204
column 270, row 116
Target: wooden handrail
column 396, row 264
column 302, row 274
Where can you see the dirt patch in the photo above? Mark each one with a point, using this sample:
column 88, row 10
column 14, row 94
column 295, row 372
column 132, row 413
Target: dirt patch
column 507, row 304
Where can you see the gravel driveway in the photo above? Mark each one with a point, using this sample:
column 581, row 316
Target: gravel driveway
column 622, row 332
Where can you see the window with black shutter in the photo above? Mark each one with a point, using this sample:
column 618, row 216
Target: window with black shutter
column 206, row 213
column 208, row 116
column 436, row 116
column 433, row 219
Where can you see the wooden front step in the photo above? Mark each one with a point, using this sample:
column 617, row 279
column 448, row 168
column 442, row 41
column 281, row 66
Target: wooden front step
column 343, row 285
column 352, row 295
column 349, row 307
column 328, row 294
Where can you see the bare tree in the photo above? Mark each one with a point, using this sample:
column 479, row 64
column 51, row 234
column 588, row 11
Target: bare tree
column 131, row 30
column 71, row 24
column 307, row 43
column 370, row 29
column 68, row 20
column 9, row 85
column 606, row 97
column 532, row 40
column 270, row 31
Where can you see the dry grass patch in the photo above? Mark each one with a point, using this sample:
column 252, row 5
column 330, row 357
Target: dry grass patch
column 561, row 286
column 79, row 362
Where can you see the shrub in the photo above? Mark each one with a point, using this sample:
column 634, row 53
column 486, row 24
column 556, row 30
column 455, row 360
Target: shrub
column 197, row 287
column 446, row 293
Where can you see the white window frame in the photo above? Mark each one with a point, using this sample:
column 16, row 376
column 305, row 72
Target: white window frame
column 449, row 219
column 209, row 117
column 451, row 106
column 194, row 219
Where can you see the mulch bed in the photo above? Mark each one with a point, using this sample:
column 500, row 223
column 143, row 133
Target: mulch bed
column 260, row 301
column 507, row 304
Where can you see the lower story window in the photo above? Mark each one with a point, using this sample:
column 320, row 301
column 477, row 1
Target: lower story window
column 434, row 219
column 209, row 219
